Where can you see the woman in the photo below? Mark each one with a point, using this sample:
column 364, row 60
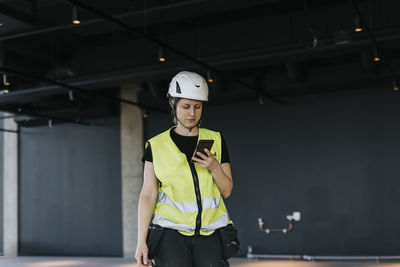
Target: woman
column 182, row 193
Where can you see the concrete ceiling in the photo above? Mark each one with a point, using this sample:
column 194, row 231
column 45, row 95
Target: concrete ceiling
column 279, row 50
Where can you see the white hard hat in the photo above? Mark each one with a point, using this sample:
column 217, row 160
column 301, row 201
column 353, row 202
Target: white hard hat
column 189, row 85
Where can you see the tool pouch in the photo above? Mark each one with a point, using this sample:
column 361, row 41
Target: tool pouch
column 229, row 241
column 153, row 240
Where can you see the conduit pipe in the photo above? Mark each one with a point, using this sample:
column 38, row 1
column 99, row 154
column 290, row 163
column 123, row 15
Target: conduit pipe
column 77, row 89
column 250, row 255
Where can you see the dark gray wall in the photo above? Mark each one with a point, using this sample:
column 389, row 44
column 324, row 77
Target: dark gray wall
column 70, row 190
column 334, row 157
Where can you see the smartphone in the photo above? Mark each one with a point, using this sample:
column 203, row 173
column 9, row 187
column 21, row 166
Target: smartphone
column 201, row 145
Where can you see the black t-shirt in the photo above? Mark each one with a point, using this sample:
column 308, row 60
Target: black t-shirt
column 187, row 145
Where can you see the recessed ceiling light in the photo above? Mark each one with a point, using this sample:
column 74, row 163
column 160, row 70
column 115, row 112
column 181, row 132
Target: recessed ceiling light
column 209, row 77
column 161, row 56
column 75, row 15
column 357, row 23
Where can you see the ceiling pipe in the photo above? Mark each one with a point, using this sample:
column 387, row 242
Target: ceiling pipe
column 77, row 89
column 173, row 49
column 21, row 111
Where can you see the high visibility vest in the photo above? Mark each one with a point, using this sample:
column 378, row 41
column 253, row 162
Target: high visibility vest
column 188, row 198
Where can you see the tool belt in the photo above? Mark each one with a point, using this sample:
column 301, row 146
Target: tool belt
column 229, row 241
column 153, row 239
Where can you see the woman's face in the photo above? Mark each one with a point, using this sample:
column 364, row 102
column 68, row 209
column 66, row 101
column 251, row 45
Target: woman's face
column 188, row 111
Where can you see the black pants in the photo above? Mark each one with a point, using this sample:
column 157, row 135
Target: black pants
column 177, row 250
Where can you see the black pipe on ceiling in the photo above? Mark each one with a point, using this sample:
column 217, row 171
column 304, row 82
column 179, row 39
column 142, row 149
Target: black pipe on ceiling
column 53, row 118
column 80, row 90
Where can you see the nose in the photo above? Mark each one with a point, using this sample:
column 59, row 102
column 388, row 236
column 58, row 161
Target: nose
column 192, row 111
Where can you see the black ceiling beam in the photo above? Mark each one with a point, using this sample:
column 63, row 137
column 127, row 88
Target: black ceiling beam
column 174, row 50
column 291, row 93
column 374, row 83
column 26, row 111
column 77, row 89
column 298, row 53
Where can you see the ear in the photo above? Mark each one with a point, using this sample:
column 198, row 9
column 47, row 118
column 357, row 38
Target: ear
column 174, row 100
column 171, row 102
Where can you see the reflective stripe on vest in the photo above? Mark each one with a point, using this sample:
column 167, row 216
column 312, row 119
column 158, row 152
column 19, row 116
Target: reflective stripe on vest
column 220, row 222
column 178, row 203
column 207, row 203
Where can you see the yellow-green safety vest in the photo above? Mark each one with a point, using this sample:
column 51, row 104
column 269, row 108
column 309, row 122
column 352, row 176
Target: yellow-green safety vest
column 188, row 198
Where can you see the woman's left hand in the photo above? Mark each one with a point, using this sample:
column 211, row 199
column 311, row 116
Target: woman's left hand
column 208, row 162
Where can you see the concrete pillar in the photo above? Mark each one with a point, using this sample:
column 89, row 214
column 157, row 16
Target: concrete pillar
column 10, row 188
column 132, row 168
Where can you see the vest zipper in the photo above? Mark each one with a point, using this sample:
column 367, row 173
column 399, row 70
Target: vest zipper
column 198, row 197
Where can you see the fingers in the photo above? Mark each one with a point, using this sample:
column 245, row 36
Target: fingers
column 196, row 159
column 202, row 155
column 145, row 259
column 208, row 152
column 145, row 265
column 198, row 162
column 142, row 254
column 141, row 263
column 142, row 260
column 207, row 160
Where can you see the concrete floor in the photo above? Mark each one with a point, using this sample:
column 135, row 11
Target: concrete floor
column 120, row 262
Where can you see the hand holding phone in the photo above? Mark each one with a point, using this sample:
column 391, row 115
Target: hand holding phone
column 201, row 145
